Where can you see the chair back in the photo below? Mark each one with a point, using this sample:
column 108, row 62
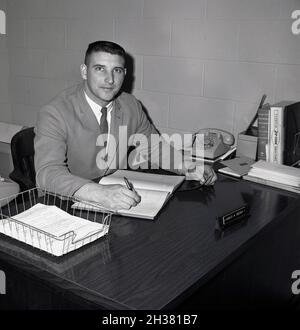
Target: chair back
column 22, row 151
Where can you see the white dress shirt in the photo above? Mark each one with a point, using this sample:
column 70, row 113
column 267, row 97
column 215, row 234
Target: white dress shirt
column 97, row 112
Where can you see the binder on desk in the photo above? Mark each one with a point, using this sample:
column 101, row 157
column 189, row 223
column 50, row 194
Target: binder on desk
column 154, row 189
column 237, row 166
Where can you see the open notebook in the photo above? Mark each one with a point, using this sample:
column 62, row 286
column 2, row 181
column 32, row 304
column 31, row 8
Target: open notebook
column 154, row 189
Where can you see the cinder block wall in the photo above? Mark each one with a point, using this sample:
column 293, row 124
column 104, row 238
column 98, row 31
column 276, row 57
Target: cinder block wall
column 198, row 63
column 5, row 110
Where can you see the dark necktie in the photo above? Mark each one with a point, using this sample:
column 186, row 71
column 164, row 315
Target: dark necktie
column 104, row 128
column 103, row 121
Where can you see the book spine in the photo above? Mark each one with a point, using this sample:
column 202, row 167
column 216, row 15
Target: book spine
column 276, row 144
column 263, row 122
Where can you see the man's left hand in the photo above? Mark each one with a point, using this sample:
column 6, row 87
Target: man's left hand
column 205, row 174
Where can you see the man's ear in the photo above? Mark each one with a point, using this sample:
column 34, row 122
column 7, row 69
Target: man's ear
column 83, row 71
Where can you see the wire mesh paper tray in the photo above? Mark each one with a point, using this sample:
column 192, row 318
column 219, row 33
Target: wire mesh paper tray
column 90, row 224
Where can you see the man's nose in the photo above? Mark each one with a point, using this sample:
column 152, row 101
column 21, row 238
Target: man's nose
column 109, row 77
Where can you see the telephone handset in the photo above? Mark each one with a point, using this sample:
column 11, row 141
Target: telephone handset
column 216, row 142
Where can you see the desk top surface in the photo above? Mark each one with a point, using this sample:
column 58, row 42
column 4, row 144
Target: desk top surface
column 145, row 264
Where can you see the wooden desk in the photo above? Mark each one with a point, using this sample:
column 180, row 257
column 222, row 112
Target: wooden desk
column 177, row 261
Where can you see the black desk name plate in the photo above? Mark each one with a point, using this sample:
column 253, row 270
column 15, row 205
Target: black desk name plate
column 233, row 217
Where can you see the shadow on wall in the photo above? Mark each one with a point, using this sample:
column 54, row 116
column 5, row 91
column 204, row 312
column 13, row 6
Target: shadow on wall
column 128, row 84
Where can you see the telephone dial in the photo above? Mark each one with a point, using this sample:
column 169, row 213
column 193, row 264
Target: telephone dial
column 216, row 142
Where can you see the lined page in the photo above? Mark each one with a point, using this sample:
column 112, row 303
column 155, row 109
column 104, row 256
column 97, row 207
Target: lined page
column 151, row 203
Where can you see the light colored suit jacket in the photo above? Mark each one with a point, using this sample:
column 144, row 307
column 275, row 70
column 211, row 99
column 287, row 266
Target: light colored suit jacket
column 66, row 135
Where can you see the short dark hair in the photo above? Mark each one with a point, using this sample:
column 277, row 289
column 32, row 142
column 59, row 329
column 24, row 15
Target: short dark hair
column 104, row 46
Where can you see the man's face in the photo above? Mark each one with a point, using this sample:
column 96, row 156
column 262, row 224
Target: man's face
column 104, row 76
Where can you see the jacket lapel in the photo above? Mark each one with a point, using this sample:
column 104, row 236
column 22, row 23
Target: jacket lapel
column 86, row 113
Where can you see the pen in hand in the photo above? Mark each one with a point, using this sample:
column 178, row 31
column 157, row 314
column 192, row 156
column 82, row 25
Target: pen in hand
column 129, row 184
column 131, row 188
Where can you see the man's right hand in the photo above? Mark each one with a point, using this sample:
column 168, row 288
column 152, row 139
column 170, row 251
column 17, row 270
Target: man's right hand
column 113, row 197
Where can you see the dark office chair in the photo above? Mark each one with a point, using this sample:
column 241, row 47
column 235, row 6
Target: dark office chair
column 22, row 151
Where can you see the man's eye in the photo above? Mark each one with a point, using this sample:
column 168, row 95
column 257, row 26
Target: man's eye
column 119, row 70
column 100, row 68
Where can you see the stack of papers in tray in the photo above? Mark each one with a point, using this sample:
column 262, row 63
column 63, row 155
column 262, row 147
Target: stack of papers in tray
column 277, row 175
column 51, row 229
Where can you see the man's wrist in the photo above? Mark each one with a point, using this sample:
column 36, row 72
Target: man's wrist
column 86, row 191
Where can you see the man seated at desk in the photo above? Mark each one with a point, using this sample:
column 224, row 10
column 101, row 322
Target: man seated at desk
column 68, row 148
